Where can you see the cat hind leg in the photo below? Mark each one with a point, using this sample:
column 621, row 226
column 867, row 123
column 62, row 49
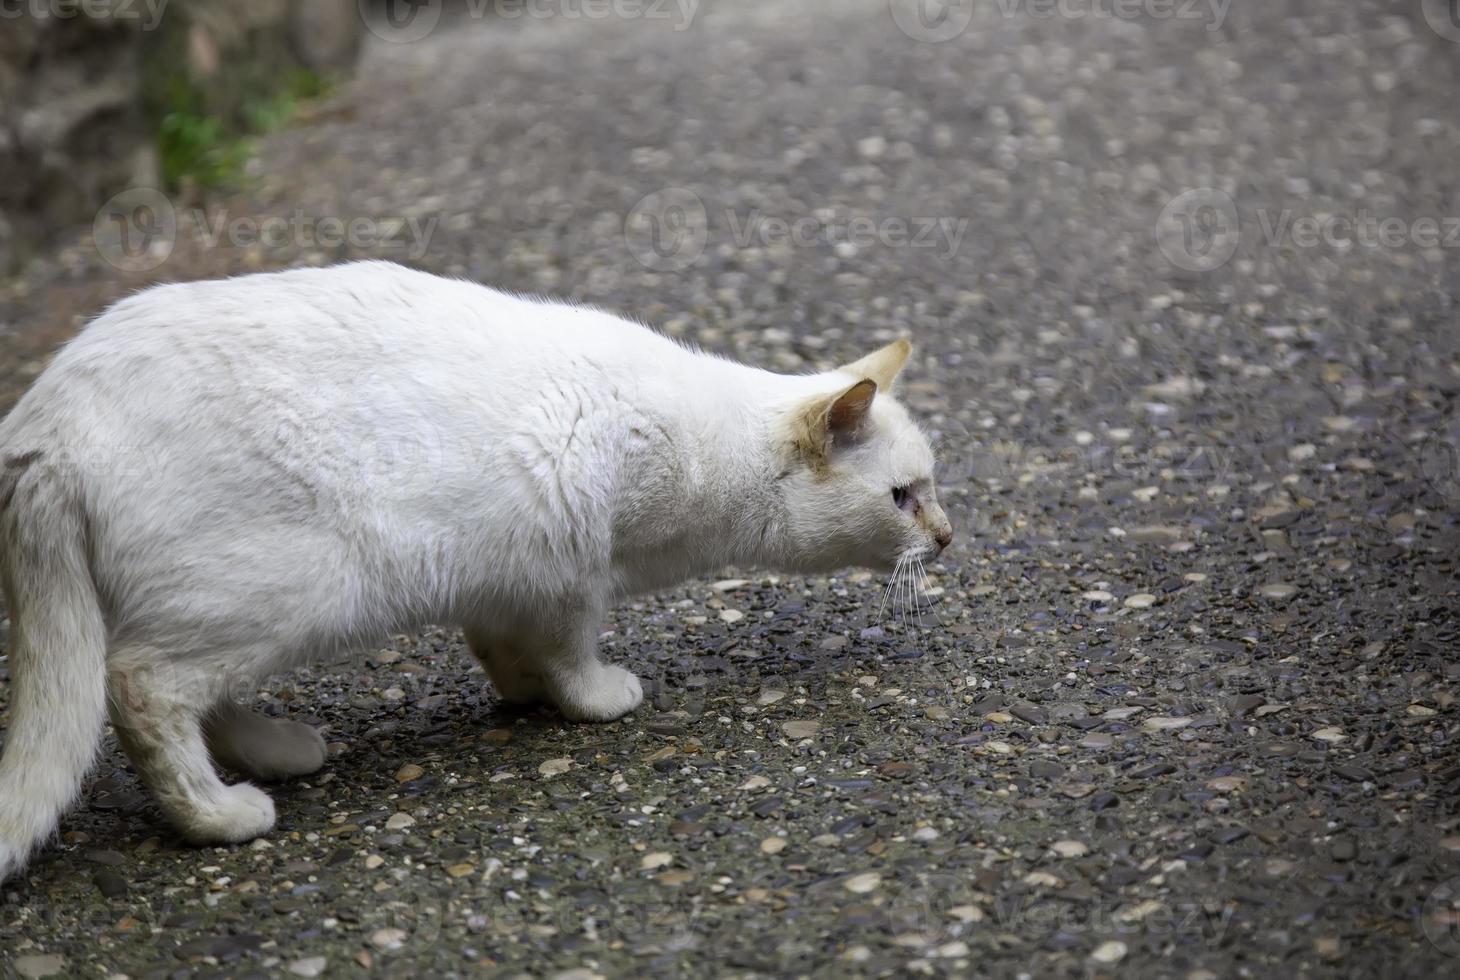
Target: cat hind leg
column 157, row 704
column 269, row 749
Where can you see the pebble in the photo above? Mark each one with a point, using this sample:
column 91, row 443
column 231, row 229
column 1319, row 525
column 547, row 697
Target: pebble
column 863, row 883
column 1141, row 600
column 554, row 767
column 310, row 966
column 731, row 615
column 1227, row 784
column 801, row 729
column 400, row 821
column 773, row 845
column 44, row 965
column 655, row 860
column 1070, row 848
column 1278, row 590
column 1109, row 952
column 388, row 938
column 1163, row 724
column 408, row 773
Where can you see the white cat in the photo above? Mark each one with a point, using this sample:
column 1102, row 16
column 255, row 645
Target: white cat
column 220, row 480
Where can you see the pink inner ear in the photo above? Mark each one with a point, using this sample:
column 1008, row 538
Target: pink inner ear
column 848, row 412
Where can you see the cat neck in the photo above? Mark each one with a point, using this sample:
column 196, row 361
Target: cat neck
column 704, row 495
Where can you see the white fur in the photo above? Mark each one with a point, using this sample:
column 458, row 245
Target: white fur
column 220, row 480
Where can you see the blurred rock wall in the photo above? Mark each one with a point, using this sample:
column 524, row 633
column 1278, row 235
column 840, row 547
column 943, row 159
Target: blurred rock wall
column 82, row 83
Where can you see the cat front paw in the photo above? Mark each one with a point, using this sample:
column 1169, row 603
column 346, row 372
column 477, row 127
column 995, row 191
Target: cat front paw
column 602, row 694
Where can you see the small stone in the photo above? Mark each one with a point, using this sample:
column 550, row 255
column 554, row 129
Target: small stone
column 310, row 966
column 110, row 885
column 48, row 965
column 408, row 773
column 388, row 939
column 1141, row 600
column 1279, row 591
column 925, row 834
column 656, row 860
column 1451, row 844
column 1122, row 714
column 801, row 729
column 1227, row 784
column 1330, row 735
column 731, row 615
column 872, row 147
column 1161, row 724
column 729, row 584
column 1070, row 848
column 461, row 870
column 1031, row 713
column 554, row 767
column 769, row 697
column 755, row 782
column 1344, row 849
column 400, row 821
column 1109, row 952
column 863, row 883
column 1098, row 596
column 1420, row 711
column 374, row 861
column 773, row 845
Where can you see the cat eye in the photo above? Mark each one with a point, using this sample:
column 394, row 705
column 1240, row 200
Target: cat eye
column 903, row 498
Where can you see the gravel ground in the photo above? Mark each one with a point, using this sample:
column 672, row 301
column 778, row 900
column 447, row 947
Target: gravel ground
column 1180, row 701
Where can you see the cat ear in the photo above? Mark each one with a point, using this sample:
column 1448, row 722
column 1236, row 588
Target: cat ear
column 882, row 366
column 827, row 418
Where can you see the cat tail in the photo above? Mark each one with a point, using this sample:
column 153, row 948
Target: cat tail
column 57, row 655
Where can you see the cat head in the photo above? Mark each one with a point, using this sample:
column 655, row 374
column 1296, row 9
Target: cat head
column 857, row 482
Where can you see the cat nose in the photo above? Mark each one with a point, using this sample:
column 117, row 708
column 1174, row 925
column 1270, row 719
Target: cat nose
column 944, row 536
